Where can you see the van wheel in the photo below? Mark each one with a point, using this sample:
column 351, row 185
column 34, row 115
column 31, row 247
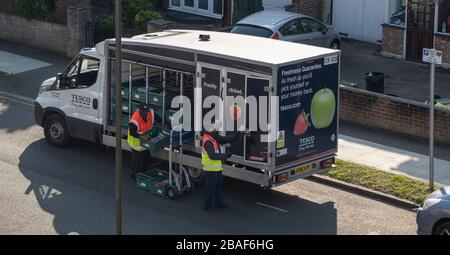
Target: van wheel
column 196, row 176
column 56, row 131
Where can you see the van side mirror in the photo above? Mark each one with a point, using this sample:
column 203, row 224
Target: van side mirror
column 58, row 80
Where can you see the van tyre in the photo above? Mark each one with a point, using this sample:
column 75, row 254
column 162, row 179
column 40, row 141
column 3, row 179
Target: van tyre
column 56, row 131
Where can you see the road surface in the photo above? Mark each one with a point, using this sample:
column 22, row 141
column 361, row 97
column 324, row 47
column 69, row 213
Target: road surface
column 46, row 190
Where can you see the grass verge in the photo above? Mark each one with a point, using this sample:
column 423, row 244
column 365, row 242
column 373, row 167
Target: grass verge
column 2, row 73
column 371, row 178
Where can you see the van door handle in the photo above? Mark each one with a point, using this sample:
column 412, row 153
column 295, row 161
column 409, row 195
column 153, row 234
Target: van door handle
column 95, row 103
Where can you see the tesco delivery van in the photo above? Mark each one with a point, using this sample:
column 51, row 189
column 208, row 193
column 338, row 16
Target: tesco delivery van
column 295, row 86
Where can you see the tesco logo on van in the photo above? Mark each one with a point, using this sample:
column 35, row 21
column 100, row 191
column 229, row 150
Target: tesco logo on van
column 81, row 99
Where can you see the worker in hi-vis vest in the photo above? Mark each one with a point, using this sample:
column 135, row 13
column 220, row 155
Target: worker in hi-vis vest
column 140, row 123
column 212, row 166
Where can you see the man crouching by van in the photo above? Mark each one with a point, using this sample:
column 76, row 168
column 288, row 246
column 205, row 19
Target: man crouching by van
column 140, row 123
column 212, row 166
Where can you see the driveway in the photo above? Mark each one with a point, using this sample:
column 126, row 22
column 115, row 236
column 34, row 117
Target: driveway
column 404, row 79
column 27, row 67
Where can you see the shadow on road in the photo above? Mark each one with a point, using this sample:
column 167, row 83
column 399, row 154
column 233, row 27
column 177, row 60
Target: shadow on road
column 11, row 121
column 76, row 185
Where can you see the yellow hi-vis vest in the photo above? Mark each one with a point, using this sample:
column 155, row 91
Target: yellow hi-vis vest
column 142, row 126
column 210, row 165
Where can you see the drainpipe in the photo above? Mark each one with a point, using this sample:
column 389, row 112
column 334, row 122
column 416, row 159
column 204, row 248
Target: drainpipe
column 436, row 20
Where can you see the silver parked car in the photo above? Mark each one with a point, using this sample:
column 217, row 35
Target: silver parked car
column 433, row 217
column 289, row 26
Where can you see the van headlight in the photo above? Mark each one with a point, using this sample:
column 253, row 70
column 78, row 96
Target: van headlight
column 42, row 89
column 430, row 202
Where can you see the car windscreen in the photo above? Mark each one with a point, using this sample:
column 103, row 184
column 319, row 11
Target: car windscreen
column 252, row 30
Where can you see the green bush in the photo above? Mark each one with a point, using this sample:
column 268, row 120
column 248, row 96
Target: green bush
column 35, row 9
column 130, row 8
column 143, row 17
column 136, row 13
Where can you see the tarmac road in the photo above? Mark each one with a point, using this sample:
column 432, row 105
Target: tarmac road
column 46, row 190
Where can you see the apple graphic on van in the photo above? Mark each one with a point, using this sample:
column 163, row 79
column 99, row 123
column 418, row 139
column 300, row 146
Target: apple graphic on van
column 323, row 108
column 301, row 124
column 235, row 112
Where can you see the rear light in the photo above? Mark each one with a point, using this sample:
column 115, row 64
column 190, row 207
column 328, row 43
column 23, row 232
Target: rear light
column 282, row 177
column 327, row 163
column 276, row 36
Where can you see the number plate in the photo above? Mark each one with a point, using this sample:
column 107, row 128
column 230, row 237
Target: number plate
column 302, row 169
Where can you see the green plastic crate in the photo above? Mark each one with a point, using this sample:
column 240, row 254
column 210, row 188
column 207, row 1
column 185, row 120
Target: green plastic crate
column 125, row 119
column 125, row 106
column 125, row 91
column 154, row 181
column 139, row 95
column 156, row 143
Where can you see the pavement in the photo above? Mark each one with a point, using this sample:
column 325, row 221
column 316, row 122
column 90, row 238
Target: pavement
column 393, row 153
column 404, row 79
column 47, row 190
column 29, row 67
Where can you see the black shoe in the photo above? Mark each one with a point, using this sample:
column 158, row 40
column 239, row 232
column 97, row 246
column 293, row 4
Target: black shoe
column 223, row 206
column 210, row 209
column 133, row 176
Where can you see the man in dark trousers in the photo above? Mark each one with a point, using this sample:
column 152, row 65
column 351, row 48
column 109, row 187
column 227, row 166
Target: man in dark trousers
column 212, row 166
column 140, row 123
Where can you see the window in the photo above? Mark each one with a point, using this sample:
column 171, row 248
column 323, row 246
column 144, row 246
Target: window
column 82, row 73
column 175, row 3
column 444, row 17
column 210, row 8
column 312, row 26
column 203, row 4
column 292, row 28
column 189, row 3
column 218, row 7
column 397, row 11
column 252, row 30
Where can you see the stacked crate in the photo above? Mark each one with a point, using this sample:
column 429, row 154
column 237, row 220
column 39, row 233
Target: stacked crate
column 159, row 97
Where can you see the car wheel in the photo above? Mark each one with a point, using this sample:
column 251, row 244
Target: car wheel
column 56, row 131
column 336, row 45
column 443, row 229
column 196, row 176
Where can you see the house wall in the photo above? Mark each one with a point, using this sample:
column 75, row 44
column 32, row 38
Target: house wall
column 393, row 114
column 443, row 44
column 393, row 41
column 307, row 7
column 276, row 4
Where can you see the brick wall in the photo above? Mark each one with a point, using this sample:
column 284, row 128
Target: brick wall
column 65, row 39
column 443, row 44
column 36, row 33
column 6, row 5
column 392, row 40
column 394, row 114
column 308, row 7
